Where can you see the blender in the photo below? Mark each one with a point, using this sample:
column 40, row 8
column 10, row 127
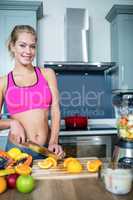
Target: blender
column 123, row 151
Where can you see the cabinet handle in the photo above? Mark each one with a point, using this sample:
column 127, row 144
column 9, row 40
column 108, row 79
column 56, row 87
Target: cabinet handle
column 122, row 73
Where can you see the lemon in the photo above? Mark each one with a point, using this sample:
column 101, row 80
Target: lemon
column 14, row 152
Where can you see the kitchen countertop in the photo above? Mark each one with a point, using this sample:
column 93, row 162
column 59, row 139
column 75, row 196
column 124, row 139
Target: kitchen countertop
column 74, row 189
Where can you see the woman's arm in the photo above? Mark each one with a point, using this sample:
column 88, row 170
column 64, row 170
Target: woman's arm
column 55, row 112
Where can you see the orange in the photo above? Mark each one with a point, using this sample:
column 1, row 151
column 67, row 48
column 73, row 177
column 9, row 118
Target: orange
column 93, row 165
column 23, row 169
column 74, row 166
column 3, row 185
column 48, row 163
column 67, row 160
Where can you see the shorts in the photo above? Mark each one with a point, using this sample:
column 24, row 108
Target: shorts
column 34, row 155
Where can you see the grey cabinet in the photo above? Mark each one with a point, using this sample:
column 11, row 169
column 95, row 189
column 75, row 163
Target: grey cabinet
column 15, row 13
column 121, row 26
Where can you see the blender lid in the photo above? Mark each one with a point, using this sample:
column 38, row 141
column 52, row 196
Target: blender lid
column 125, row 144
column 118, row 99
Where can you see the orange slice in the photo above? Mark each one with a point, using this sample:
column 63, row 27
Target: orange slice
column 67, row 160
column 93, row 165
column 74, row 166
column 47, row 163
column 53, row 161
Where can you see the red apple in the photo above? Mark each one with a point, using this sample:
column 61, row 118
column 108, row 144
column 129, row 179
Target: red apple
column 11, row 180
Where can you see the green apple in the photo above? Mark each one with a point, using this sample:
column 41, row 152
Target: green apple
column 25, row 184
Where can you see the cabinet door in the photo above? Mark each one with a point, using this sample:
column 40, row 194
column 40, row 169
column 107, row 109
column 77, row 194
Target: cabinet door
column 121, row 52
column 7, row 21
column 125, row 26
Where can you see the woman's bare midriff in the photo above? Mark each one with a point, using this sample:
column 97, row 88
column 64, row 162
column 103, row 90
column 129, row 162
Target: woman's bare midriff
column 35, row 123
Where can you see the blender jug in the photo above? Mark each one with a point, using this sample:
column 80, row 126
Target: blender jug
column 123, row 152
column 123, row 105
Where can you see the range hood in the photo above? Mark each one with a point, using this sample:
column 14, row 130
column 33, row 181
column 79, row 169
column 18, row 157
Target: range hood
column 76, row 35
column 77, row 45
column 79, row 67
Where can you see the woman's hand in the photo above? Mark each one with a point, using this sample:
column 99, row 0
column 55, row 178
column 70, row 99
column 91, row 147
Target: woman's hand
column 17, row 133
column 57, row 149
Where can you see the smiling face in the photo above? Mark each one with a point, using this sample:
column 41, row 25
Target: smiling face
column 24, row 48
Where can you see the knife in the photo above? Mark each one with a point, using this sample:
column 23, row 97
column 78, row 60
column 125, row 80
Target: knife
column 40, row 149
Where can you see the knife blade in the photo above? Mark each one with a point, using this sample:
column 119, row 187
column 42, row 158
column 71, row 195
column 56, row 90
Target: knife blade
column 40, row 149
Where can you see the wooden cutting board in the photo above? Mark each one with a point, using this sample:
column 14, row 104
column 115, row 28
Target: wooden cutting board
column 60, row 172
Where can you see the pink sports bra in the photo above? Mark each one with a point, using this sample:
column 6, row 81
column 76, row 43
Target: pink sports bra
column 19, row 99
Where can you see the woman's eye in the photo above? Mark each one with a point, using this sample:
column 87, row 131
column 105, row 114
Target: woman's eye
column 22, row 45
column 33, row 46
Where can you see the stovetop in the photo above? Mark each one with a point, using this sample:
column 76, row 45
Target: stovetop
column 91, row 127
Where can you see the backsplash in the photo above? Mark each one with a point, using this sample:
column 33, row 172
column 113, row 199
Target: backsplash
column 86, row 94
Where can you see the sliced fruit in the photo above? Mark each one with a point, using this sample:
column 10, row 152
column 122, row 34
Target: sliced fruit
column 67, row 160
column 9, row 162
column 22, row 156
column 123, row 121
column 23, row 169
column 48, row 163
column 130, row 135
column 53, row 161
column 130, row 117
column 123, row 132
column 45, row 164
column 74, row 166
column 93, row 165
column 4, row 172
column 14, row 152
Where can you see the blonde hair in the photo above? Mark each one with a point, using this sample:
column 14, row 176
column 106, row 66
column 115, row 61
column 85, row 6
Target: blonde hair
column 15, row 33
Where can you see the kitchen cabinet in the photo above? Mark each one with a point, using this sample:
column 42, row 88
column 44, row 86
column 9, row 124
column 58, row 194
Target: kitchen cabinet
column 15, row 13
column 121, row 26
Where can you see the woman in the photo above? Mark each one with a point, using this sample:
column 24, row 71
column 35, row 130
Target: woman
column 29, row 93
